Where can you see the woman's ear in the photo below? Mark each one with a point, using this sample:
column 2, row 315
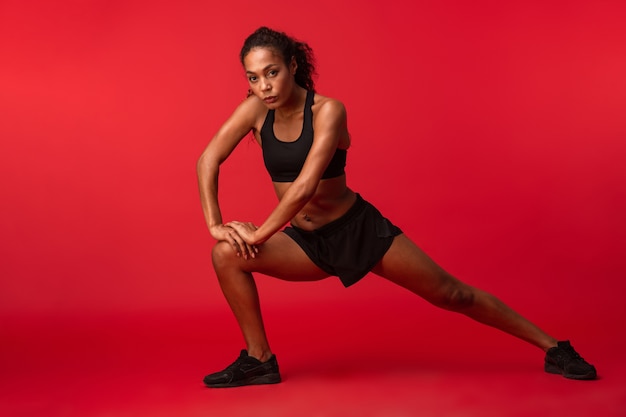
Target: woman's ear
column 293, row 65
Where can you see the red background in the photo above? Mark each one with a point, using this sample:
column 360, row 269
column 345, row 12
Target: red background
column 493, row 133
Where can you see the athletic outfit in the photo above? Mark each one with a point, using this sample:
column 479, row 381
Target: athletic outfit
column 284, row 160
column 348, row 247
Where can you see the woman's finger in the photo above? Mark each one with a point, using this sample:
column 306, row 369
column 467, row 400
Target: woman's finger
column 244, row 248
column 251, row 250
column 236, row 242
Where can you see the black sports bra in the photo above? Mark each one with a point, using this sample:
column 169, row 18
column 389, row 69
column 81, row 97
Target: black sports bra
column 284, row 160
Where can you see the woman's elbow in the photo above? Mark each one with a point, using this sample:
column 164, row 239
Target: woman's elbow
column 201, row 163
column 205, row 162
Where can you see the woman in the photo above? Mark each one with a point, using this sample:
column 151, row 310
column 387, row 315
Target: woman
column 333, row 231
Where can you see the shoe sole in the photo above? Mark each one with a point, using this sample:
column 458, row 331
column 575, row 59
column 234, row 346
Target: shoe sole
column 553, row 369
column 257, row 380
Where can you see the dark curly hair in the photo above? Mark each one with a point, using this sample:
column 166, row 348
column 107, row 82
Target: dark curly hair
column 288, row 47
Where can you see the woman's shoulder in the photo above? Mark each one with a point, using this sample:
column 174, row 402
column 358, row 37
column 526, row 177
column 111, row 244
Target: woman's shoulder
column 251, row 111
column 328, row 106
column 252, row 104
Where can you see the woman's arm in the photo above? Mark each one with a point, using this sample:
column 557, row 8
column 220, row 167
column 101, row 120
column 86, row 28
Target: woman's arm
column 329, row 120
column 219, row 148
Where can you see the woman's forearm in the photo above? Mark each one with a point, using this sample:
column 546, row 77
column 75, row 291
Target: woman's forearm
column 292, row 201
column 208, row 174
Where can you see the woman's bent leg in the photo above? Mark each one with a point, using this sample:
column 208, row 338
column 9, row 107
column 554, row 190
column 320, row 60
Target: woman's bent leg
column 279, row 257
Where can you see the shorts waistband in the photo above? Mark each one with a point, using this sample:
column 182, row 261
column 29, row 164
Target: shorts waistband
column 330, row 228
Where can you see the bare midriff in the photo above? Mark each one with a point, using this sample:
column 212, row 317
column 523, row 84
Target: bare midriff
column 331, row 200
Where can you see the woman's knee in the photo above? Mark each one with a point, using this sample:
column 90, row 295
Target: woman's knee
column 223, row 255
column 455, row 296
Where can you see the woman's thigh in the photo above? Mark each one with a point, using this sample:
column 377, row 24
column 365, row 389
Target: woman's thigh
column 407, row 265
column 278, row 257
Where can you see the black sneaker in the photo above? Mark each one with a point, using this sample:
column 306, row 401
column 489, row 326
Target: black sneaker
column 564, row 360
column 246, row 370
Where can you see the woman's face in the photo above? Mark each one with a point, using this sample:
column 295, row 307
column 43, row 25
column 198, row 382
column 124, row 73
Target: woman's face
column 270, row 79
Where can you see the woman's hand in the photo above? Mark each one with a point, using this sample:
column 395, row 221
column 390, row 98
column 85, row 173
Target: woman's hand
column 246, row 231
column 229, row 234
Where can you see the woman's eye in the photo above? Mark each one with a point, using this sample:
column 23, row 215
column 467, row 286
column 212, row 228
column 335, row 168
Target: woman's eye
column 272, row 73
column 252, row 79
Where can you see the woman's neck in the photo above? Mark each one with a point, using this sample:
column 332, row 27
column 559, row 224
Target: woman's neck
column 294, row 105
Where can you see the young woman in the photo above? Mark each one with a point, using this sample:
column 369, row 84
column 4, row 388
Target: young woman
column 333, row 231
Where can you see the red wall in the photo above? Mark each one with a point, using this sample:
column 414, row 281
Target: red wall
column 493, row 133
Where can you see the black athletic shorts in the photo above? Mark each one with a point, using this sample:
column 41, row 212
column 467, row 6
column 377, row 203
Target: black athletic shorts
column 350, row 246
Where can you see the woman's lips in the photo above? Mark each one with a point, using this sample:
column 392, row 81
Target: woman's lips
column 270, row 100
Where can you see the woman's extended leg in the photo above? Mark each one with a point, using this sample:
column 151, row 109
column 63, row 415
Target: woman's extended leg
column 408, row 266
column 279, row 257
